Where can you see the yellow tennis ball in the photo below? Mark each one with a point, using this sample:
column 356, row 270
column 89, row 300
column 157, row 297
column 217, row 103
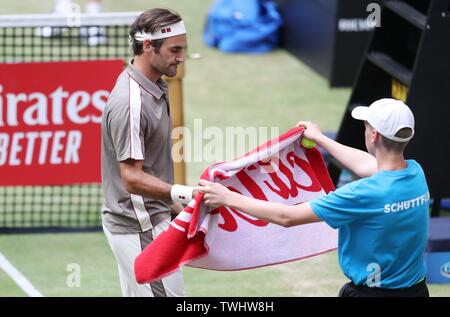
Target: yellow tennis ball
column 307, row 143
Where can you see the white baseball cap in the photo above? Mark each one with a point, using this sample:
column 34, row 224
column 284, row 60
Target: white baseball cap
column 387, row 116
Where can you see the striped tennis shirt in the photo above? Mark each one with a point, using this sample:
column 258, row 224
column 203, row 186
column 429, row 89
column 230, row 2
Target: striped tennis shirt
column 136, row 124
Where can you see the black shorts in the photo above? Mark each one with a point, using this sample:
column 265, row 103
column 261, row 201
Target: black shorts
column 351, row 290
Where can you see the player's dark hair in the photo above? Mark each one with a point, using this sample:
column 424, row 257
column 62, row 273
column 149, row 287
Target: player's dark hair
column 394, row 146
column 149, row 22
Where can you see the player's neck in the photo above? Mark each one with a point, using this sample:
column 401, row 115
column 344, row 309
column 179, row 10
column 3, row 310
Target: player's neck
column 145, row 67
column 388, row 161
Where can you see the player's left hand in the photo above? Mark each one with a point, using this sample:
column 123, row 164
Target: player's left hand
column 312, row 130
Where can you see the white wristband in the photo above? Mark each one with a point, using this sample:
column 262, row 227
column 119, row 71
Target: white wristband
column 181, row 194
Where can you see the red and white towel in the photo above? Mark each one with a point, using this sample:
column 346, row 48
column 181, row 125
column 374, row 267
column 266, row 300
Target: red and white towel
column 280, row 170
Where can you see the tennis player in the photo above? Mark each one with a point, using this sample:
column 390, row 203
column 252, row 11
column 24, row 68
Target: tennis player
column 137, row 167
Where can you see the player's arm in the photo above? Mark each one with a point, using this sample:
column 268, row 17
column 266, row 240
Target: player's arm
column 136, row 181
column 359, row 162
column 287, row 216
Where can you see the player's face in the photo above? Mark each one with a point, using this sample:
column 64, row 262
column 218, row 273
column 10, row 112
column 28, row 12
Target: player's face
column 171, row 54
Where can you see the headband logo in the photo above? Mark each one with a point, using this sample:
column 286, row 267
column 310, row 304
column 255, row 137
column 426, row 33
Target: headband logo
column 166, row 30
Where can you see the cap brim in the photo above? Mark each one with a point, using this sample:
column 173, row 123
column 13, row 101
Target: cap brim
column 361, row 113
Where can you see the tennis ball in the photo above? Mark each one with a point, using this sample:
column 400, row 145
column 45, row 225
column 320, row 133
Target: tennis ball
column 307, row 143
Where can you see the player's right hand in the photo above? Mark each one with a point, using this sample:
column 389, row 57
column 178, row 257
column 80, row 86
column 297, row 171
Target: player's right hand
column 215, row 194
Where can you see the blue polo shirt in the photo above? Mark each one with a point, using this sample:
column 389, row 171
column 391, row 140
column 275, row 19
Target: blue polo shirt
column 383, row 226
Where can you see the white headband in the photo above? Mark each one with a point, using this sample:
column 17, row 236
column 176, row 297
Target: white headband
column 165, row 32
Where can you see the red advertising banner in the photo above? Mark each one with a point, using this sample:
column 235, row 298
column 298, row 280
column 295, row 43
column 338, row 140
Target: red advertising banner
column 50, row 121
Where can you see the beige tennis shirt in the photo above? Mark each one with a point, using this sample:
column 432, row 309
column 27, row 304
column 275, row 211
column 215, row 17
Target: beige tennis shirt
column 136, row 125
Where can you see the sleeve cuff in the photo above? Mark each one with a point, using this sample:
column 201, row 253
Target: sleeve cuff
column 319, row 214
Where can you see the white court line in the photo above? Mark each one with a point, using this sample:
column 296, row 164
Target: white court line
column 18, row 278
